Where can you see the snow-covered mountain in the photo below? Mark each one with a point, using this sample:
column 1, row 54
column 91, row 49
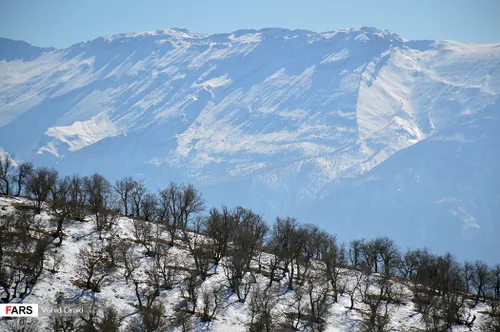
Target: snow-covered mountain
column 357, row 130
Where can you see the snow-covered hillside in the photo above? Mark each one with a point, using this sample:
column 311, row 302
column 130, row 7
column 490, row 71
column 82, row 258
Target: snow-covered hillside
column 127, row 277
column 357, row 130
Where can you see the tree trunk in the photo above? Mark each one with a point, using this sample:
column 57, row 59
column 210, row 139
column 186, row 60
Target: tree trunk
column 290, row 281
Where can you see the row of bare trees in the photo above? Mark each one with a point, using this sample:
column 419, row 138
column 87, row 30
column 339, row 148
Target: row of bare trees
column 370, row 272
column 237, row 242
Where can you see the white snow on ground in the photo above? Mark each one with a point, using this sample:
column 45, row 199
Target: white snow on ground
column 233, row 315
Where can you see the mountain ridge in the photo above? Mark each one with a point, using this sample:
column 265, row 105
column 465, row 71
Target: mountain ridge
column 288, row 113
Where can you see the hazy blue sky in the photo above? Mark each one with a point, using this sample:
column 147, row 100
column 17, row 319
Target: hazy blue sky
column 64, row 22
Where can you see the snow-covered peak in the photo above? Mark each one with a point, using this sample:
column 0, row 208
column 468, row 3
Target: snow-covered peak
column 290, row 112
column 174, row 33
column 241, row 35
column 254, row 35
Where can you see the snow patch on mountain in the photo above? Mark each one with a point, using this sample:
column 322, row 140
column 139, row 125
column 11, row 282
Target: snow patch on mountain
column 335, row 57
column 81, row 134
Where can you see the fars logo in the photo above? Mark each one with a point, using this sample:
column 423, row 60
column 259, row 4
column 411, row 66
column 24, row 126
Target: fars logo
column 18, row 310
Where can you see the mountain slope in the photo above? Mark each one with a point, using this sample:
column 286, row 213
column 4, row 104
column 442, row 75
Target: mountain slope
column 122, row 285
column 272, row 119
column 441, row 193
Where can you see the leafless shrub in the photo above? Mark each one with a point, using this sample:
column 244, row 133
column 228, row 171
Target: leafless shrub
column 60, row 323
column 23, row 325
column 150, row 319
column 262, row 310
column 211, row 302
column 94, row 265
column 128, row 258
column 190, row 291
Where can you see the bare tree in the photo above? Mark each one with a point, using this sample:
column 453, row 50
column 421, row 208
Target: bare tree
column 111, row 245
column 97, row 189
column 318, row 301
column 24, row 169
column 150, row 319
column 7, row 166
column 408, row 265
column 296, row 319
column 182, row 320
column 190, row 291
column 197, row 247
column 143, row 232
column 276, row 263
column 334, row 258
column 370, row 257
column 480, row 279
column 440, row 292
column 311, row 304
column 355, row 252
column 167, row 273
column 110, row 321
column 94, row 265
column 191, row 203
column 378, row 292
column 98, row 192
column 262, row 310
column 211, row 298
column 149, row 207
column 124, row 188
column 148, row 290
column 220, row 226
column 7, row 239
column 39, row 185
column 239, row 277
column 310, row 239
column 389, row 255
column 165, row 214
column 355, row 281
column 249, row 235
column 495, row 282
column 61, row 205
column 128, row 258
column 468, row 268
column 57, row 259
column 286, row 244
column 380, row 255
column 78, row 197
column 491, row 322
column 422, row 276
column 137, row 193
column 100, row 317
column 177, row 206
